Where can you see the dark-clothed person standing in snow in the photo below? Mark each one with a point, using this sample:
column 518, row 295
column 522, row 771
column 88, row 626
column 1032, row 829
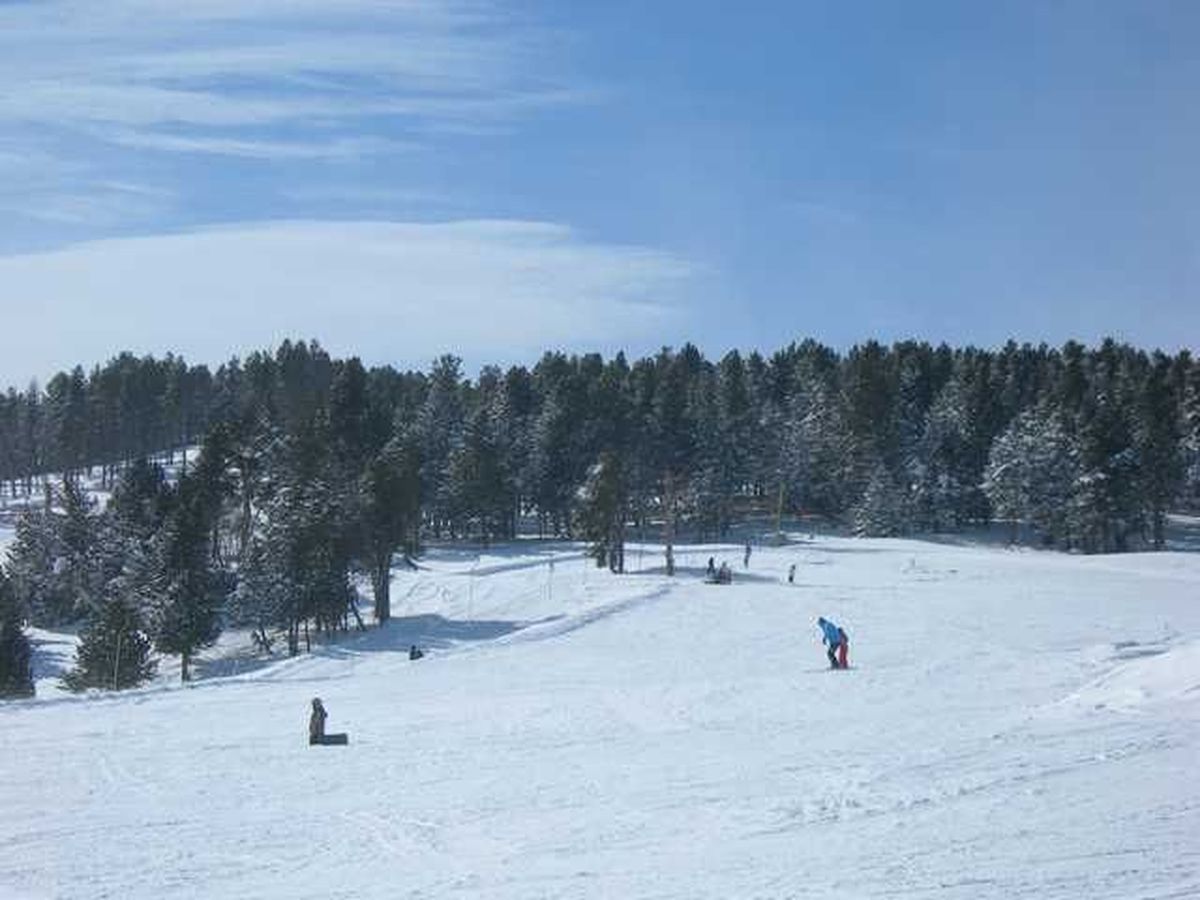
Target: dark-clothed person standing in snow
column 316, row 722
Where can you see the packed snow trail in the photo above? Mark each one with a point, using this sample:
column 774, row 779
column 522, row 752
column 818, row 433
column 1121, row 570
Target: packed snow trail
column 1016, row 724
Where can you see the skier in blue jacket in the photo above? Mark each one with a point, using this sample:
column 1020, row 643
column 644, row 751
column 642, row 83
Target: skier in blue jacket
column 834, row 639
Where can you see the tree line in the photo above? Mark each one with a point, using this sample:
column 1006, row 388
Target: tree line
column 314, row 470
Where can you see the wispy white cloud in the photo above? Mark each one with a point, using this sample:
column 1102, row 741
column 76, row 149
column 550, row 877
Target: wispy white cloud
column 339, row 148
column 268, row 80
column 130, row 62
column 91, row 206
column 37, row 184
column 395, row 292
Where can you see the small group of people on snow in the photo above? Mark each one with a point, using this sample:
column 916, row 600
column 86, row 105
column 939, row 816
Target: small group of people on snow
column 837, row 645
column 715, row 574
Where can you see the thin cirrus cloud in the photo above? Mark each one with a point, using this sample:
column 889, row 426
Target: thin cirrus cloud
column 491, row 291
column 336, row 149
column 72, row 64
column 148, row 118
column 125, row 89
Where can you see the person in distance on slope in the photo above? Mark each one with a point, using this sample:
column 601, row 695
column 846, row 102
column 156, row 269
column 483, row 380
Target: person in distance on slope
column 833, row 638
column 316, row 722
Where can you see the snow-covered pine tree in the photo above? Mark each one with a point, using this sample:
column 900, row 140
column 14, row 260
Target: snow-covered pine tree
column 78, row 563
column 883, row 509
column 297, row 569
column 674, row 440
column 1105, row 510
column 823, row 471
column 724, row 444
column 54, row 561
column 138, row 504
column 31, row 566
column 867, row 389
column 476, row 490
column 186, row 609
column 264, row 596
column 550, row 465
column 942, row 476
column 1157, row 443
column 439, row 427
column 1032, row 472
column 389, row 497
column 1190, row 427
column 113, row 651
column 16, row 673
column 1006, row 479
column 714, row 482
column 601, row 512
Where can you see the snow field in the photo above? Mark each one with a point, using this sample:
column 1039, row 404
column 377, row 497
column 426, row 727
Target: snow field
column 1015, row 724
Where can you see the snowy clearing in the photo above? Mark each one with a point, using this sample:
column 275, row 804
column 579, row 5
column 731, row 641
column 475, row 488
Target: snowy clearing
column 1015, row 724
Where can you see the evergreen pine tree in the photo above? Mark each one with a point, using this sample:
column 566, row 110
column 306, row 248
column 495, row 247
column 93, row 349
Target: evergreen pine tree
column 882, row 511
column 1033, row 473
column 78, row 564
column 941, row 471
column 16, row 673
column 439, row 427
column 1190, row 428
column 113, row 651
column 1105, row 508
column 187, row 606
column 389, row 515
column 297, row 568
column 602, row 512
column 31, row 566
column 1157, row 442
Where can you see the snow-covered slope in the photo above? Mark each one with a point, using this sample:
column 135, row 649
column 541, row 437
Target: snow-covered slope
column 1016, row 724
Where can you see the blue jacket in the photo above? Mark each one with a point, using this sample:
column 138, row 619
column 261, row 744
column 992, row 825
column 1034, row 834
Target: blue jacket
column 832, row 636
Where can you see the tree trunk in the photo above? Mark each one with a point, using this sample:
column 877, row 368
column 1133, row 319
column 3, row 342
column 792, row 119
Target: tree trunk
column 669, row 521
column 1160, row 535
column 381, row 587
column 357, row 618
column 184, row 672
column 245, row 530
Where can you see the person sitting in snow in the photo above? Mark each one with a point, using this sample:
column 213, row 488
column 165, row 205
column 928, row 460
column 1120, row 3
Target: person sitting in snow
column 415, row 652
column 316, row 722
column 835, row 640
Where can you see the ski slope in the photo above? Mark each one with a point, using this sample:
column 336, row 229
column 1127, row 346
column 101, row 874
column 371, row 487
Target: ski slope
column 1016, row 724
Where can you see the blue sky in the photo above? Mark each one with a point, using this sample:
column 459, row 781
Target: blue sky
column 401, row 178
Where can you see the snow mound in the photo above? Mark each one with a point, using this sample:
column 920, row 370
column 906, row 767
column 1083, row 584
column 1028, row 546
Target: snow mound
column 1146, row 675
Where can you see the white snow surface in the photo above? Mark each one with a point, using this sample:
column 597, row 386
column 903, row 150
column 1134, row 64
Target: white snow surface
column 1015, row 724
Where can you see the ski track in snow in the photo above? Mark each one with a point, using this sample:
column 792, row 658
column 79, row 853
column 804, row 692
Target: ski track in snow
column 1015, row 724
